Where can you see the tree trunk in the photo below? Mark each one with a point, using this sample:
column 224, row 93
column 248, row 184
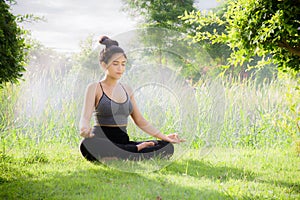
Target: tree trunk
column 293, row 50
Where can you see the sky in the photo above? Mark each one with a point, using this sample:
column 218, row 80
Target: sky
column 70, row 21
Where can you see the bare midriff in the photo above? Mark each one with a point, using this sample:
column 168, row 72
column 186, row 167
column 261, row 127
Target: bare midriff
column 112, row 125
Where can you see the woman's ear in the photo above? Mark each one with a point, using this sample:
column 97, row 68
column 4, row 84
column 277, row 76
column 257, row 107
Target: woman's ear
column 103, row 65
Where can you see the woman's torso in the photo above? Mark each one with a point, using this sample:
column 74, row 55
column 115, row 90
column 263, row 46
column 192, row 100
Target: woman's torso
column 110, row 112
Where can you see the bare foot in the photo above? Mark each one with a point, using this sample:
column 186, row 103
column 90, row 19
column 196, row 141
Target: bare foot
column 145, row 145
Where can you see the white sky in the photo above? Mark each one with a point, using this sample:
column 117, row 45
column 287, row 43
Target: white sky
column 71, row 21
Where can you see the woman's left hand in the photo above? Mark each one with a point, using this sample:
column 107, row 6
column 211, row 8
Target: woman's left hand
column 174, row 138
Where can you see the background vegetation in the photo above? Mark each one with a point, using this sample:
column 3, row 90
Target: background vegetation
column 246, row 144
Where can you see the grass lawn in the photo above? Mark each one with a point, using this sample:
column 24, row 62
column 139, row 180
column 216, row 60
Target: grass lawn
column 59, row 172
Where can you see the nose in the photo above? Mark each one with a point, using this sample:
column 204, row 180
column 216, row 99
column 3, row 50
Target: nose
column 121, row 67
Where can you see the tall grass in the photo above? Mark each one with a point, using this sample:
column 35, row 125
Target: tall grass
column 39, row 111
column 243, row 113
column 45, row 109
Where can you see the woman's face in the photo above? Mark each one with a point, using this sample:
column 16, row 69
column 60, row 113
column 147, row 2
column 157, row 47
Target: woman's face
column 116, row 66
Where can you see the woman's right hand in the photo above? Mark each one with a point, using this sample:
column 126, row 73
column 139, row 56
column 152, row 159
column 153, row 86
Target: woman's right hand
column 86, row 133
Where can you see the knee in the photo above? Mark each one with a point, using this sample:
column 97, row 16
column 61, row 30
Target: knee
column 168, row 147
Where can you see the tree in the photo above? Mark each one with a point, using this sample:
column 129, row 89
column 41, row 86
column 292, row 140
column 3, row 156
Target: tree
column 44, row 61
column 12, row 46
column 88, row 58
column 159, row 13
column 164, row 31
column 219, row 52
column 265, row 28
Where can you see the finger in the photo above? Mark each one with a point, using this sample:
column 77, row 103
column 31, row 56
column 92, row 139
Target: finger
column 171, row 136
column 83, row 134
column 91, row 135
column 175, row 134
column 175, row 141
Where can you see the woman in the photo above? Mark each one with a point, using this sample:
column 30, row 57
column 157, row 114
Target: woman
column 112, row 102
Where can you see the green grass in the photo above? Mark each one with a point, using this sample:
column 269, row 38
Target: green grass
column 59, row 172
column 250, row 129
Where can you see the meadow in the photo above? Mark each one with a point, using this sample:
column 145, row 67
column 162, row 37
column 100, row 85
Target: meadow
column 245, row 145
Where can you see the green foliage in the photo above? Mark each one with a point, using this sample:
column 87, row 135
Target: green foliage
column 45, row 61
column 12, row 46
column 86, row 66
column 255, row 28
column 88, row 57
column 29, row 18
column 164, row 15
column 161, row 17
column 231, row 113
column 159, row 13
column 39, row 144
column 218, row 51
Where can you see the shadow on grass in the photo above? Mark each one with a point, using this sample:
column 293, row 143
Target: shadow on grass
column 54, row 180
column 97, row 182
column 293, row 187
column 201, row 168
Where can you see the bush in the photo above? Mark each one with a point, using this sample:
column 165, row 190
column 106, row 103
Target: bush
column 12, row 46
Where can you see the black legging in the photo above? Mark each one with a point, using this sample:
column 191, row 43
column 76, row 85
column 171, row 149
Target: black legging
column 114, row 142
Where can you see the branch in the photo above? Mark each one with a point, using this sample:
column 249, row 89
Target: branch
column 294, row 50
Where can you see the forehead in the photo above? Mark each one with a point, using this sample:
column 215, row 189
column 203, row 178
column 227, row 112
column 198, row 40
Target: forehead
column 118, row 57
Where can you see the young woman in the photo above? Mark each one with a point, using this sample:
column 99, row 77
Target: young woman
column 112, row 103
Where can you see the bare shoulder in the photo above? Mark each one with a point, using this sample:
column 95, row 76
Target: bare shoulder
column 92, row 87
column 128, row 89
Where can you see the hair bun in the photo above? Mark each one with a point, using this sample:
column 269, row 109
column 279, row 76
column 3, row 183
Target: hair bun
column 102, row 39
column 107, row 41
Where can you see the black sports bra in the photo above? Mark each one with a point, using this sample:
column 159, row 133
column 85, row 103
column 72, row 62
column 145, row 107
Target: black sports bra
column 109, row 112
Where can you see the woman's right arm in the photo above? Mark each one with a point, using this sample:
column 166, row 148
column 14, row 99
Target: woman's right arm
column 87, row 111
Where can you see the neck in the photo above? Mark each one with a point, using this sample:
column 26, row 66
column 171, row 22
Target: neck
column 110, row 81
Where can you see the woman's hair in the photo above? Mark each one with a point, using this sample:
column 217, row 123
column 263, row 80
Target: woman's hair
column 111, row 48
